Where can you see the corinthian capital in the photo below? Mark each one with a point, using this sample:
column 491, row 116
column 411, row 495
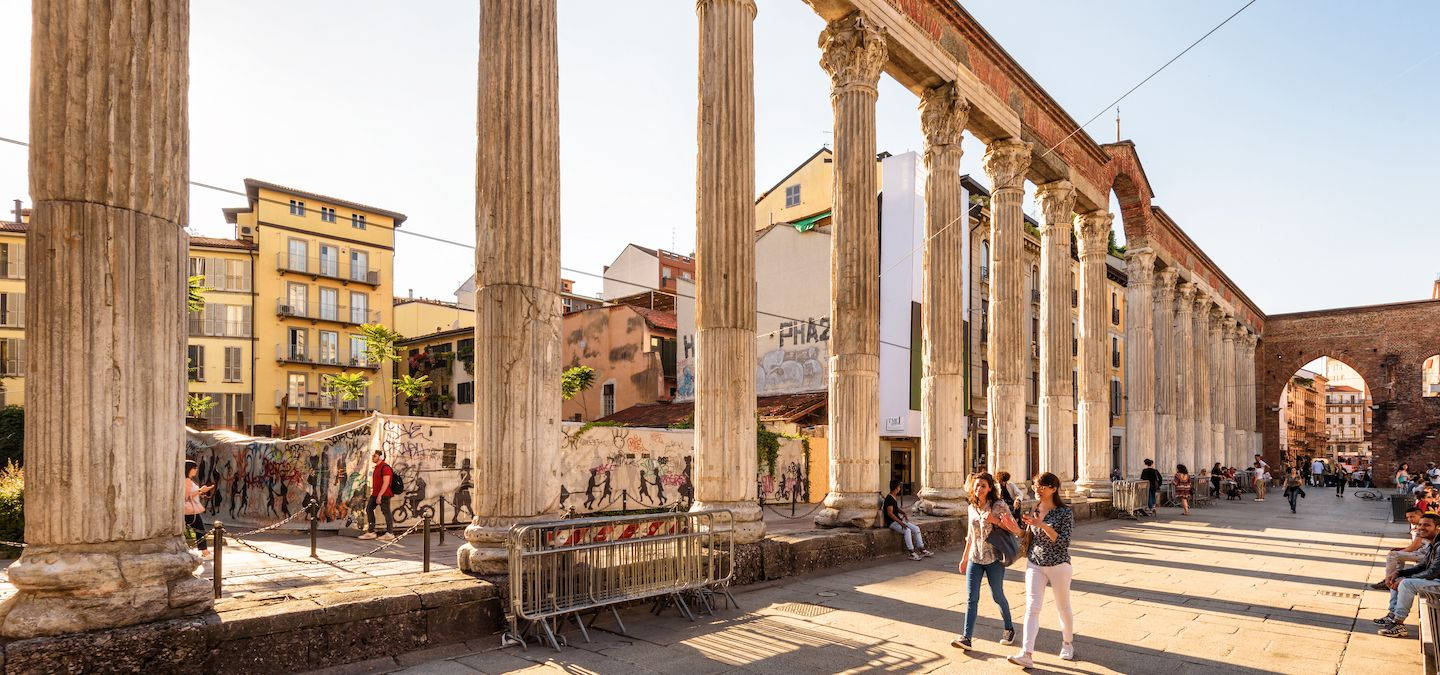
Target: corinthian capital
column 943, row 116
column 1185, row 297
column 1140, row 266
column 1057, row 201
column 1165, row 285
column 1005, row 163
column 1092, row 232
column 852, row 50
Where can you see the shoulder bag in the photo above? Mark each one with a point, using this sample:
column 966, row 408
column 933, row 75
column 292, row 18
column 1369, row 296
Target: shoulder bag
column 1007, row 546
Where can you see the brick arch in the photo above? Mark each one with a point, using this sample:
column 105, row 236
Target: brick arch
column 1387, row 345
column 1126, row 178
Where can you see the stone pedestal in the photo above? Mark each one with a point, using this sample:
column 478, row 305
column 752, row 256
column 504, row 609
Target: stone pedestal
column 725, row 462
column 943, row 114
column 1166, row 424
column 1009, row 348
column 1057, row 405
column 1139, row 359
column 1092, row 231
column 104, row 437
column 517, row 283
column 853, row 52
column 1185, row 380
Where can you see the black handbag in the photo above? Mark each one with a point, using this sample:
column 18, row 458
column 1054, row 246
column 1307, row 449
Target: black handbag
column 1007, row 545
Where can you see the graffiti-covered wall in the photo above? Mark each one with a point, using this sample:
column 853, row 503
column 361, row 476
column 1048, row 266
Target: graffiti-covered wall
column 262, row 480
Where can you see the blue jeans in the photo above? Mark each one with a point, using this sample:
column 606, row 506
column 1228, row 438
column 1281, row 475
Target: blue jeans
column 1404, row 596
column 995, row 574
column 911, row 534
column 1153, row 492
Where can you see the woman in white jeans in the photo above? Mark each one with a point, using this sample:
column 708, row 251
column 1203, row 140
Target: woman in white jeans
column 1048, row 565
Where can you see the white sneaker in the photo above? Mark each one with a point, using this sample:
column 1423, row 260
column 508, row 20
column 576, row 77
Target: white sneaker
column 367, row 535
column 914, row 555
column 926, row 553
column 1067, row 651
column 1021, row 659
column 386, row 537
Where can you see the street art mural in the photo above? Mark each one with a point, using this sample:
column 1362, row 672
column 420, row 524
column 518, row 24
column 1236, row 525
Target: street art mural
column 601, row 468
column 795, row 364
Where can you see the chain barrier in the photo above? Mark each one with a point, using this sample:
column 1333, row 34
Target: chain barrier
column 14, row 544
column 373, row 551
column 269, row 527
column 797, row 516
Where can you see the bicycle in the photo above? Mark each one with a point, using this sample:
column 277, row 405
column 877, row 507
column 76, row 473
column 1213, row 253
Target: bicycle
column 1368, row 494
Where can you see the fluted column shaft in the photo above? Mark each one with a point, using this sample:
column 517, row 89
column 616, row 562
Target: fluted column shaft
column 1057, row 403
column 1139, row 360
column 1239, row 437
column 943, row 115
column 104, row 441
column 1204, row 438
column 1252, row 421
column 725, row 462
column 1226, row 390
column 853, row 52
column 1217, row 390
column 1006, row 162
column 1093, row 349
column 1165, row 375
column 517, row 278
column 1184, row 379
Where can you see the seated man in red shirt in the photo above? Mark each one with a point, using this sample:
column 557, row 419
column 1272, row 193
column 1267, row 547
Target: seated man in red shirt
column 380, row 494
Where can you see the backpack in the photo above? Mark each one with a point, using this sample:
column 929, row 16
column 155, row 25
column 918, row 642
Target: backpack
column 396, row 485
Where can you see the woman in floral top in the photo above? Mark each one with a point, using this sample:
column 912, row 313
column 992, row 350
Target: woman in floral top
column 1049, row 565
column 981, row 561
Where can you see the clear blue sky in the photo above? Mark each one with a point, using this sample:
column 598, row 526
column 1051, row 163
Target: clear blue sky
column 1292, row 145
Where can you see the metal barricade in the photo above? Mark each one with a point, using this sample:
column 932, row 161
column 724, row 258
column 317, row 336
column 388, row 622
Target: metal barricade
column 562, row 568
column 1129, row 496
column 1429, row 599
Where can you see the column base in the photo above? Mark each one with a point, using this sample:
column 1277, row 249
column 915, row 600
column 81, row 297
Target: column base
column 72, row 588
column 949, row 502
column 484, row 552
column 747, row 518
column 849, row 509
column 1094, row 488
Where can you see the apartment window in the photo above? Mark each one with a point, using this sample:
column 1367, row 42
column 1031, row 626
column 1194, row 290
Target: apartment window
column 237, row 275
column 607, row 398
column 295, row 297
column 1114, row 309
column 985, row 376
column 329, row 304
column 357, row 221
column 1035, row 330
column 327, row 214
column 984, row 259
column 359, row 307
column 1115, row 399
column 12, row 309
column 465, row 392
column 448, row 452
column 1114, row 351
column 329, row 260
column 297, row 208
column 1074, row 386
column 196, row 358
column 296, row 384
column 233, row 364
column 792, row 195
column 237, row 321
column 329, row 347
column 357, row 351
column 12, row 261
column 359, row 265
column 12, row 357
column 299, row 251
column 1074, row 339
column 295, row 342
column 1034, row 388
column 984, row 319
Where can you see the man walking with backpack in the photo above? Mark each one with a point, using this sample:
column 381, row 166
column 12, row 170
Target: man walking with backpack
column 381, row 490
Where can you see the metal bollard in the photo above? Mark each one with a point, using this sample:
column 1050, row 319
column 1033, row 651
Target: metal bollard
column 442, row 520
column 792, row 503
column 314, row 508
column 425, row 530
column 219, row 546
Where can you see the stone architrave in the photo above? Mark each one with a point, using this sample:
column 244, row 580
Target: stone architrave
column 1205, row 453
column 853, row 50
column 1139, row 359
column 517, row 279
column 725, row 462
column 1006, row 162
column 104, row 439
column 1184, row 379
column 1057, row 405
column 1165, row 376
column 943, row 115
column 1092, row 234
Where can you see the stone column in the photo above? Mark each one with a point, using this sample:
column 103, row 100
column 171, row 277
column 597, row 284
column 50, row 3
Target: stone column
column 1165, row 375
column 1240, row 434
column 853, row 52
column 1139, row 360
column 1204, row 438
column 1226, row 391
column 1185, row 378
column 943, row 115
column 725, row 462
column 1251, row 418
column 1057, row 404
column 104, row 441
column 517, row 279
column 1217, row 389
column 1005, row 162
column 1092, row 230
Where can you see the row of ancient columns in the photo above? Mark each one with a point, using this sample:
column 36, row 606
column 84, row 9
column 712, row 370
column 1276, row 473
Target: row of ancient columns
column 1190, row 371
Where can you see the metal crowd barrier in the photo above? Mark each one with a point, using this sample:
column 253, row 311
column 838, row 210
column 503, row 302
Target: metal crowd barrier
column 562, row 568
column 1129, row 496
column 1429, row 600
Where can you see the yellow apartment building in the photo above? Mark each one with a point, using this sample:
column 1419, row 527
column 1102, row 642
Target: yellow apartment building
column 415, row 317
column 805, row 193
column 323, row 268
column 12, row 309
column 220, row 351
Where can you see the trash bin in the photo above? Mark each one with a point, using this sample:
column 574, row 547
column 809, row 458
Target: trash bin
column 1429, row 626
column 1399, row 504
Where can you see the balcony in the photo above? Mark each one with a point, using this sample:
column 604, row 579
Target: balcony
column 984, row 272
column 350, row 316
column 1035, row 295
column 286, row 353
column 1115, row 315
column 327, row 268
column 199, row 326
column 315, row 401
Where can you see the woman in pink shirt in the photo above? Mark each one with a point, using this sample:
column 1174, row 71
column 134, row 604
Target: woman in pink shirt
column 194, row 507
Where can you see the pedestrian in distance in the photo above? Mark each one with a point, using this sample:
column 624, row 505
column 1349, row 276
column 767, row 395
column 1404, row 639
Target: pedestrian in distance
column 1259, row 479
column 1182, row 488
column 1049, row 565
column 1151, row 476
column 1432, row 474
column 896, row 519
column 1317, row 472
column 1402, row 478
column 380, row 494
column 194, row 507
column 1414, row 552
column 1010, row 493
column 1341, row 476
column 1216, row 475
column 1294, row 486
column 981, row 561
column 1407, row 582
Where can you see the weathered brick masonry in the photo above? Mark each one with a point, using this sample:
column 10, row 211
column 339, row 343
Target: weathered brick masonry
column 1388, row 345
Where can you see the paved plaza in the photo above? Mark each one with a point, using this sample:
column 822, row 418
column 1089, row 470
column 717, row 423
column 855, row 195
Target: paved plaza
column 1240, row 587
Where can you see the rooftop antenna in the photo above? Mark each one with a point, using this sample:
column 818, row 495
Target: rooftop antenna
column 1117, row 124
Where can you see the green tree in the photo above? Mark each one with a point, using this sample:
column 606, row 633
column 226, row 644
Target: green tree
column 414, row 389
column 195, row 298
column 574, row 380
column 1117, row 251
column 380, row 343
column 12, row 434
column 344, row 387
column 197, row 406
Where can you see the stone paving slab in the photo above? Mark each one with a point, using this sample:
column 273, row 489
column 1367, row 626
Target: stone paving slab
column 1243, row 587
